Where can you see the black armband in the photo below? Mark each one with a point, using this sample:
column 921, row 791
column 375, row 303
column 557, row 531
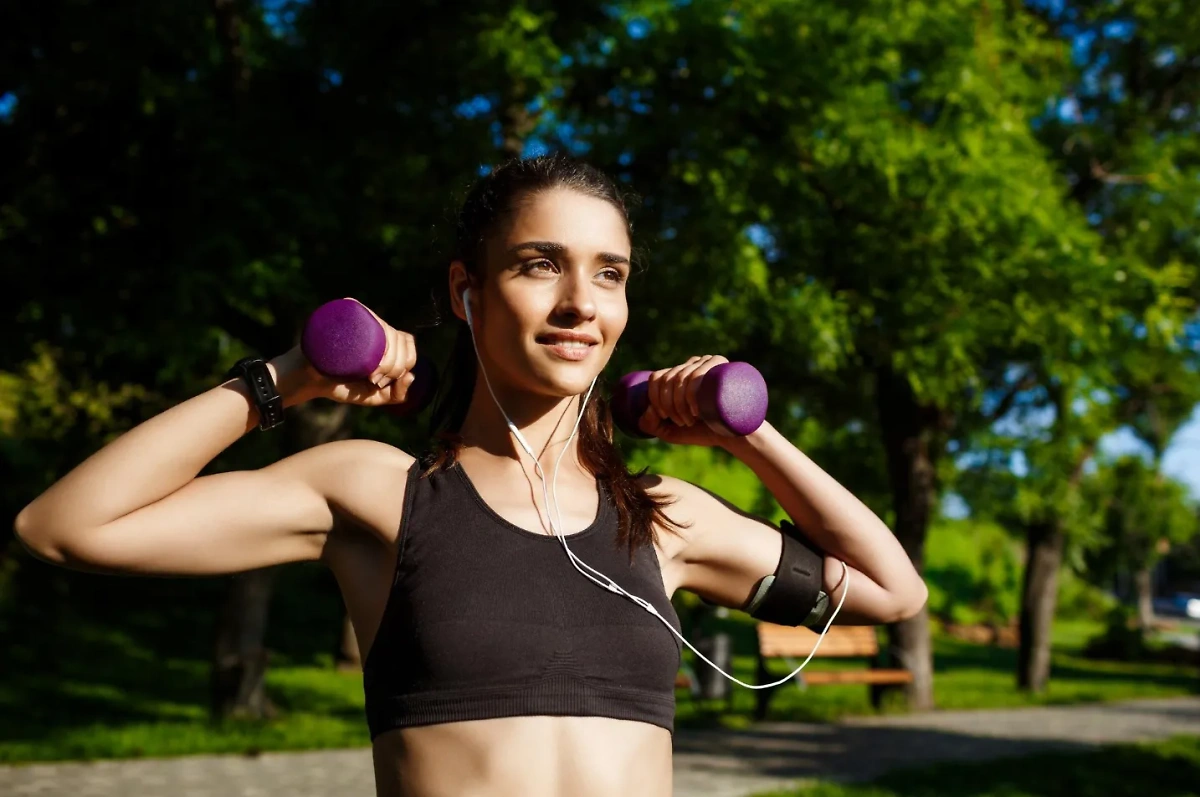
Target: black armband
column 792, row 595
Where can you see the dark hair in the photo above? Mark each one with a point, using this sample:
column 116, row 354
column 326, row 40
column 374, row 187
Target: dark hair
column 492, row 202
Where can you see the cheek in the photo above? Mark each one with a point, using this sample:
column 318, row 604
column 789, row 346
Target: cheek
column 508, row 335
column 616, row 320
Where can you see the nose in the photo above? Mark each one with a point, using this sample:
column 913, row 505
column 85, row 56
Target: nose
column 576, row 301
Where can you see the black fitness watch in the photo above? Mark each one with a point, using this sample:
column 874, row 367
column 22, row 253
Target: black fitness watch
column 253, row 371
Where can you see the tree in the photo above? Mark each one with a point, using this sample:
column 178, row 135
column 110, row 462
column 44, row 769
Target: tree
column 851, row 197
column 1145, row 515
column 1123, row 134
column 1028, row 473
column 183, row 184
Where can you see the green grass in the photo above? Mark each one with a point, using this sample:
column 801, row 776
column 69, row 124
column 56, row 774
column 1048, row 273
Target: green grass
column 114, row 668
column 118, row 668
column 1164, row 769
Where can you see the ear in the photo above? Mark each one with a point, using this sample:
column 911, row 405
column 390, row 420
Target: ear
column 460, row 280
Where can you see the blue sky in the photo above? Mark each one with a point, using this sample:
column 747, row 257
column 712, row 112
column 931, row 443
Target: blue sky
column 1182, row 458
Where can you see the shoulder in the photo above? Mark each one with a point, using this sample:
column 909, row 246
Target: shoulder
column 723, row 551
column 344, row 463
column 688, row 500
column 695, row 509
column 364, row 481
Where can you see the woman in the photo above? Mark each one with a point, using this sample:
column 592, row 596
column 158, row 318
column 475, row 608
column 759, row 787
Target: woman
column 493, row 665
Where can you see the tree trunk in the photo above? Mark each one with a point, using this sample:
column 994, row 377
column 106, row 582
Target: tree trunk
column 908, row 434
column 1144, row 581
column 240, row 654
column 1039, row 594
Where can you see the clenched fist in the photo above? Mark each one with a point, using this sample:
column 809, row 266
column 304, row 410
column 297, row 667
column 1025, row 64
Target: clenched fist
column 387, row 385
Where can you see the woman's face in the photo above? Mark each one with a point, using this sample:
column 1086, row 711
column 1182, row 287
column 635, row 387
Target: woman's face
column 559, row 267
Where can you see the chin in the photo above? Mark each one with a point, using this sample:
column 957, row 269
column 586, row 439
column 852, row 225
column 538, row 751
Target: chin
column 562, row 380
column 565, row 388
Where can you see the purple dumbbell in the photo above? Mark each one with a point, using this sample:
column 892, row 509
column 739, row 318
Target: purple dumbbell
column 343, row 341
column 732, row 395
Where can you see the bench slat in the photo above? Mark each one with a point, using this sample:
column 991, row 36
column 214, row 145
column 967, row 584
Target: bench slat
column 829, row 649
column 841, row 641
column 844, row 641
column 857, row 677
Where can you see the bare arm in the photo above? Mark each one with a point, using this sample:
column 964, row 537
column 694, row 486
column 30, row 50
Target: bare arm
column 137, row 505
column 729, row 552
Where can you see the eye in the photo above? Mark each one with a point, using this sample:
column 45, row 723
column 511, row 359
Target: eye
column 532, row 264
column 610, row 274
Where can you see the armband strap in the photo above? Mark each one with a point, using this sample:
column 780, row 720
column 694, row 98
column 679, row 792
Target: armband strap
column 792, row 595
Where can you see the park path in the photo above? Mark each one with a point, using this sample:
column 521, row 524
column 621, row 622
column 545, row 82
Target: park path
column 707, row 763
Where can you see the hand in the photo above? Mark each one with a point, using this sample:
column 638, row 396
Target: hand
column 387, row 384
column 674, row 412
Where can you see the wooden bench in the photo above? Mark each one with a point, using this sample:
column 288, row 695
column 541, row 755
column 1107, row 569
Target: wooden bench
column 842, row 641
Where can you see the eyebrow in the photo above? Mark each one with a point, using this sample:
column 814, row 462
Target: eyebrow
column 555, row 248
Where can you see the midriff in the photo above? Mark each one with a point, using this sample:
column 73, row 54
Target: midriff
column 531, row 756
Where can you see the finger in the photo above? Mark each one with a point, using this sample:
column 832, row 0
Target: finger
column 709, row 362
column 661, row 391
column 386, row 362
column 666, row 400
column 399, row 348
column 650, row 421
column 674, row 392
column 654, row 391
column 672, row 388
column 398, row 389
column 687, row 384
column 399, row 356
column 407, row 357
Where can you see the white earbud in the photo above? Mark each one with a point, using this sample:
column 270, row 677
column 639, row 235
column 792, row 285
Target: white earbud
column 466, row 297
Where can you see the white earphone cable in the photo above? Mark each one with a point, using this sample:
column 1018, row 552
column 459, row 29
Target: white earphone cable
column 608, row 583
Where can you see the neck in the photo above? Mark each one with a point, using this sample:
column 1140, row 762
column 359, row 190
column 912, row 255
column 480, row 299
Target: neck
column 546, row 422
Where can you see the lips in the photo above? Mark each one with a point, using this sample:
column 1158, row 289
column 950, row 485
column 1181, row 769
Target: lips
column 572, row 352
column 566, row 338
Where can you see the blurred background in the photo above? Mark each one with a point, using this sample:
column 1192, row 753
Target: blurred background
column 958, row 238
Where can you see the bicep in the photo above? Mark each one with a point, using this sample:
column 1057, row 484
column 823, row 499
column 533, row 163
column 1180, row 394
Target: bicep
column 238, row 521
column 223, row 523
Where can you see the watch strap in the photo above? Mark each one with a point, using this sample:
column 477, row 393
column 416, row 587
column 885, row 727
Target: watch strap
column 254, row 373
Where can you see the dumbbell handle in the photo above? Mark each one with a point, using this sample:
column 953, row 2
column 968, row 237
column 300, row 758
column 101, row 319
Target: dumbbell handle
column 343, row 341
column 732, row 396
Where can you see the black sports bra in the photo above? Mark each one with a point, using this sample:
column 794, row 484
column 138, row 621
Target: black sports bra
column 486, row 619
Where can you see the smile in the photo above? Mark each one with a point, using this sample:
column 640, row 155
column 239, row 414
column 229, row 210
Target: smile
column 569, row 350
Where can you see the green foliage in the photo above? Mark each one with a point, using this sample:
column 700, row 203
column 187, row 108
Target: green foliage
column 1080, row 596
column 973, row 570
column 1122, row 639
column 1145, row 515
column 914, row 222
